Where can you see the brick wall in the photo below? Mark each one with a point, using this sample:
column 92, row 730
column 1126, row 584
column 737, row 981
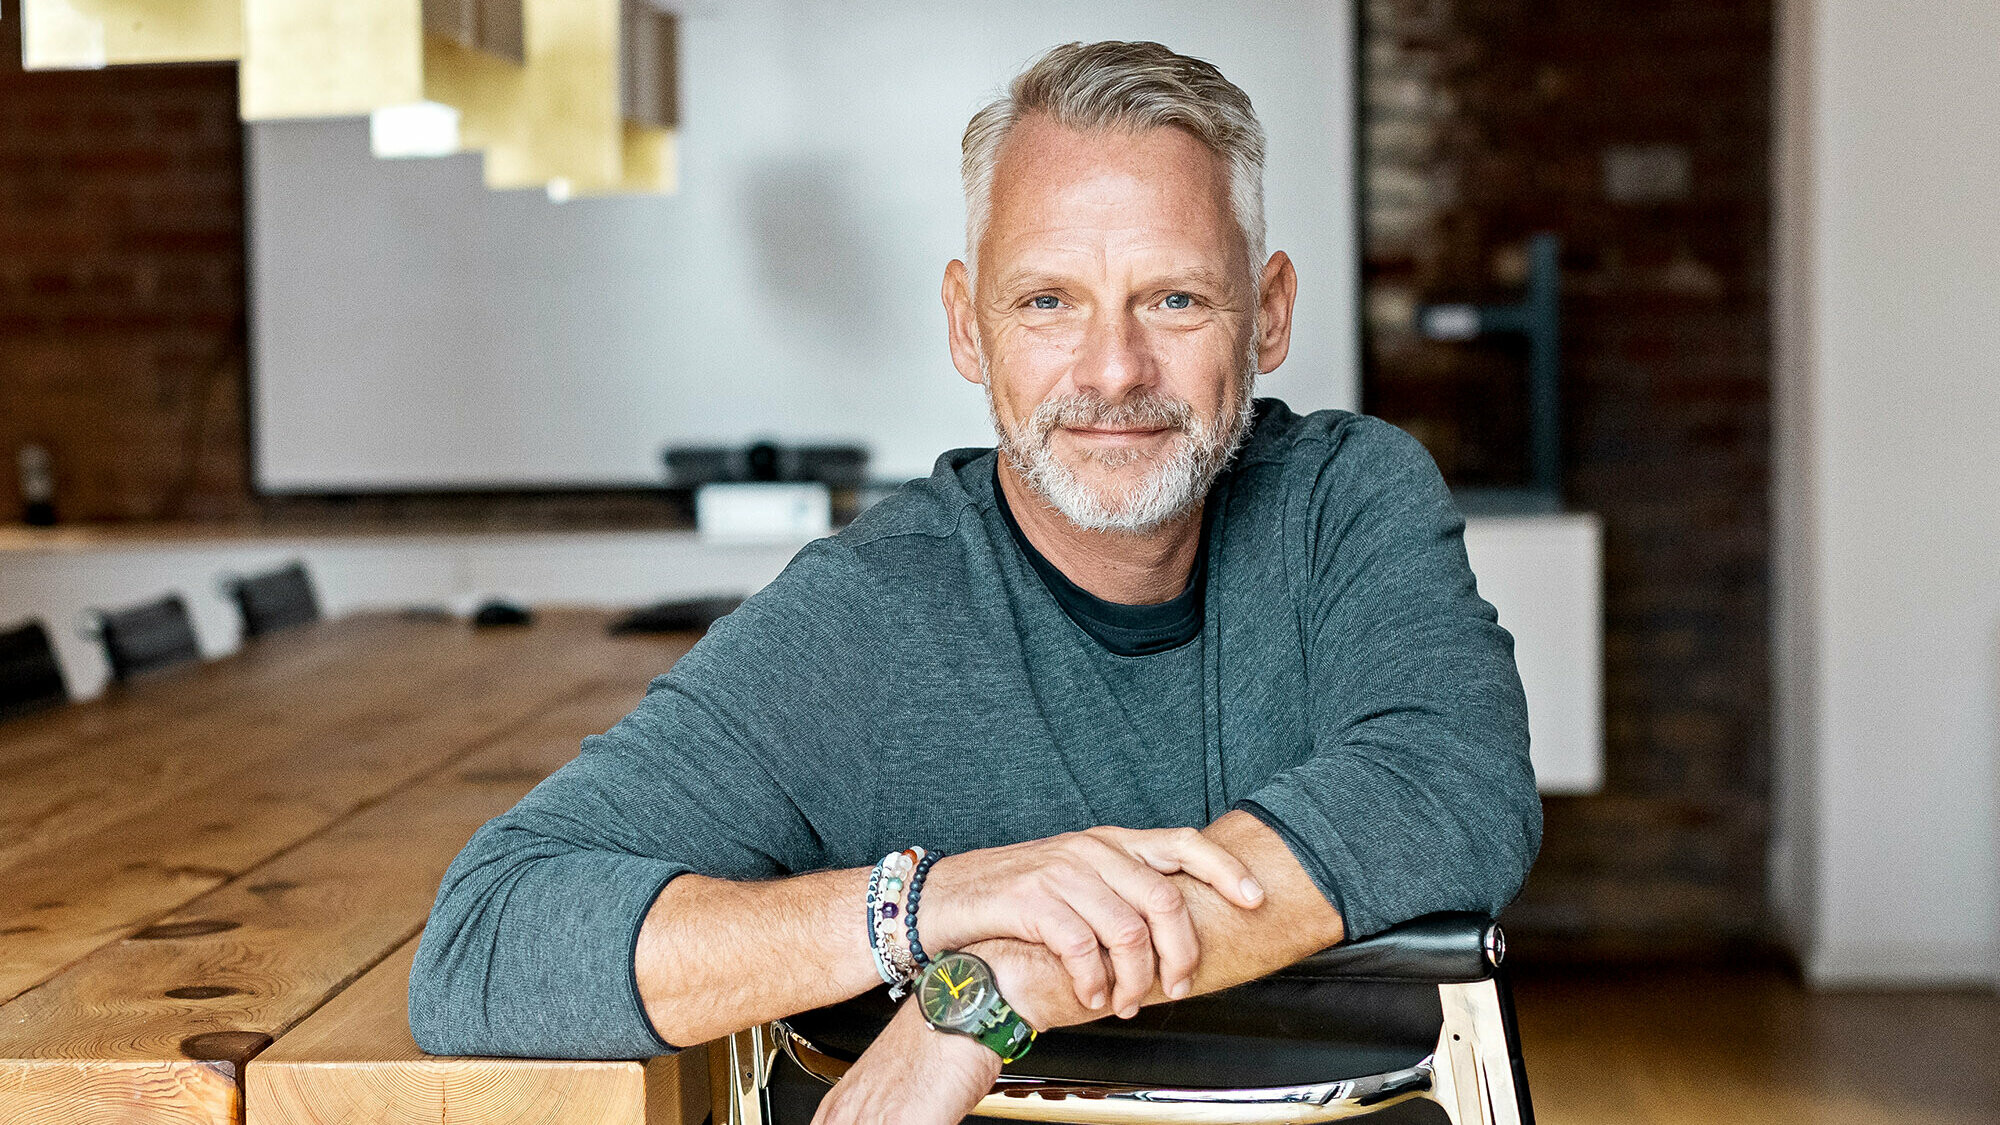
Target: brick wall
column 122, row 333
column 1638, row 132
column 121, row 286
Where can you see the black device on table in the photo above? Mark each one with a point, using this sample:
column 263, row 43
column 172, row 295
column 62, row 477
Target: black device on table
column 501, row 612
column 690, row 615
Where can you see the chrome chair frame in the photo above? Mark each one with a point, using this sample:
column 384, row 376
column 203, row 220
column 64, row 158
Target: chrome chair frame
column 1469, row 1074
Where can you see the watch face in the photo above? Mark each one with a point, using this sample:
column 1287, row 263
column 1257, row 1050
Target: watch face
column 956, row 991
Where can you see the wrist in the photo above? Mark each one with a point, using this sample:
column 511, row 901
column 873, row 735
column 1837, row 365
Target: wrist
column 958, row 1055
column 943, row 924
column 964, row 1055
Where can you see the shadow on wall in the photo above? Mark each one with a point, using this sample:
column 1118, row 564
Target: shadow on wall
column 817, row 255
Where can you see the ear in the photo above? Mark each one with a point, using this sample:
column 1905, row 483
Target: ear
column 1275, row 293
column 961, row 326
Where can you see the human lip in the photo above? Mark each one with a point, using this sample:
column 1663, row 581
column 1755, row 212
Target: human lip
column 1115, row 432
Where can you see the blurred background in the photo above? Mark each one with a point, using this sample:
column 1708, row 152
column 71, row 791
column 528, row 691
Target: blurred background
column 1697, row 305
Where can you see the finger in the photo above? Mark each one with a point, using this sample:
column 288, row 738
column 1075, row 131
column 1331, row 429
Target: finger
column 1171, row 924
column 1120, row 929
column 1188, row 851
column 1066, row 934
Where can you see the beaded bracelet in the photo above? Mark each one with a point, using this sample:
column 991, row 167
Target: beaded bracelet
column 874, row 904
column 923, row 868
column 886, row 890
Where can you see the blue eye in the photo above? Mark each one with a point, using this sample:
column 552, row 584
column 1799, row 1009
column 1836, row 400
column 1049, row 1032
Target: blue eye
column 1045, row 302
column 1178, row 301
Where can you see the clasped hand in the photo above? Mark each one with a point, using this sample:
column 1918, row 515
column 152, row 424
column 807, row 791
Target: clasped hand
column 1100, row 900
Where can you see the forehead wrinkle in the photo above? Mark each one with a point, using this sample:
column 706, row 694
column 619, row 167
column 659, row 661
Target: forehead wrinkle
column 1160, row 184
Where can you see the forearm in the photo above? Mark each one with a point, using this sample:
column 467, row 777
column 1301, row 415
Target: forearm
column 1237, row 944
column 716, row 956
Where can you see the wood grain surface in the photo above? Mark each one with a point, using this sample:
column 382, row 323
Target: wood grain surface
column 134, row 711
column 354, row 1060
column 58, row 901
column 73, row 795
column 323, row 857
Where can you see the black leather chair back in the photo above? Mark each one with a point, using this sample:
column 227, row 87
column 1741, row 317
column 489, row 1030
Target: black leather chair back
column 146, row 637
column 1368, row 1007
column 30, row 678
column 278, row 599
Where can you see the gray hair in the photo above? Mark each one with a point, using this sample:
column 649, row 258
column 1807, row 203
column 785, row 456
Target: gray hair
column 1126, row 87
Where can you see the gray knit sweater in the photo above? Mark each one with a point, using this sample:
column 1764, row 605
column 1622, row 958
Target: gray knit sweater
column 912, row 681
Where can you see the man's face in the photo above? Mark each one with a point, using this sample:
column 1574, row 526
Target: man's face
column 1116, row 320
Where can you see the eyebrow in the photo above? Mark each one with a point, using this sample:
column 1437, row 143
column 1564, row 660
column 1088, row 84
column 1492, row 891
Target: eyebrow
column 1196, row 277
column 1023, row 282
column 1193, row 277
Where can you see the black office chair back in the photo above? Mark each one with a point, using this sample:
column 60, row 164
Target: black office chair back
column 278, row 599
column 142, row 638
column 30, row 678
column 1412, row 1026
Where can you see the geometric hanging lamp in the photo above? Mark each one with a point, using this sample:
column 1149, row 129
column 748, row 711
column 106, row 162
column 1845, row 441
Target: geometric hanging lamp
column 578, row 96
column 303, row 58
column 562, row 125
column 650, row 98
column 471, row 55
column 593, row 110
column 88, row 34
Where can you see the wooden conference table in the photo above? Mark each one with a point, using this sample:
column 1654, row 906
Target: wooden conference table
column 212, row 881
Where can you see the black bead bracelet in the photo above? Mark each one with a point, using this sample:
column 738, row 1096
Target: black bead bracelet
column 910, row 912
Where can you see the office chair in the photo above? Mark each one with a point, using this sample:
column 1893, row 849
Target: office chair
column 143, row 638
column 1413, row 1024
column 30, row 678
column 274, row 600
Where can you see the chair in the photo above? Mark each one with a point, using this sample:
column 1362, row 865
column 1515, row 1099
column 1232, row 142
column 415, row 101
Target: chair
column 278, row 599
column 30, row 678
column 142, row 638
column 1412, row 1024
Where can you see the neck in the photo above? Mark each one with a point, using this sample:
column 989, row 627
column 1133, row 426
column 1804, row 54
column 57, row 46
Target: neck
column 1131, row 567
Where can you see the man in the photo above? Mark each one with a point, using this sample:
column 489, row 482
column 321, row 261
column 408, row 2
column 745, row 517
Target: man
column 1157, row 608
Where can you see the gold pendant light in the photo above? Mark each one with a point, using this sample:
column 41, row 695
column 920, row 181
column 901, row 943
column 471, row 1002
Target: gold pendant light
column 577, row 96
column 649, row 98
column 86, row 34
column 564, row 128
column 342, row 59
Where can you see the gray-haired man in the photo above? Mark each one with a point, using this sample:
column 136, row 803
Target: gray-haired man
column 1180, row 686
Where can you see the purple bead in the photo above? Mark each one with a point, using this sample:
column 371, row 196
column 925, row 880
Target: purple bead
column 888, row 910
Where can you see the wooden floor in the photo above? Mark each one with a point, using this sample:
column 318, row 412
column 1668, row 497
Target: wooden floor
column 1705, row 1047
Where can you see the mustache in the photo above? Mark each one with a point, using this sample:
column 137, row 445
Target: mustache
column 1142, row 409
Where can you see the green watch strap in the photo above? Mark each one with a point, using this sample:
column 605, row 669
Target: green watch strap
column 1006, row 1033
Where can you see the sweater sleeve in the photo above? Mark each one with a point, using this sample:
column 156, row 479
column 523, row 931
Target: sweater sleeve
column 1417, row 795
column 529, row 950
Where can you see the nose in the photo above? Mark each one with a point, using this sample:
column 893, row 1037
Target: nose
column 1115, row 358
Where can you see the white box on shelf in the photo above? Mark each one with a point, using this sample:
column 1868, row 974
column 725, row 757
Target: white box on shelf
column 762, row 512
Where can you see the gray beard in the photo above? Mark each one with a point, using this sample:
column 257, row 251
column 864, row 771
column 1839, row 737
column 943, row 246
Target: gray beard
column 1175, row 486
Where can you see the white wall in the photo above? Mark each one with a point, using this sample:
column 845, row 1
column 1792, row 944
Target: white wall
column 1888, row 489
column 411, row 329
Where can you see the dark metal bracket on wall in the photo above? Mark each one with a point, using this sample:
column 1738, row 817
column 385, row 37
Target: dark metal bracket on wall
column 1538, row 317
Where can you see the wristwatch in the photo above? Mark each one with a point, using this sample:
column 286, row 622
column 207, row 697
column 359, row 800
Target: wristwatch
column 957, row 994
